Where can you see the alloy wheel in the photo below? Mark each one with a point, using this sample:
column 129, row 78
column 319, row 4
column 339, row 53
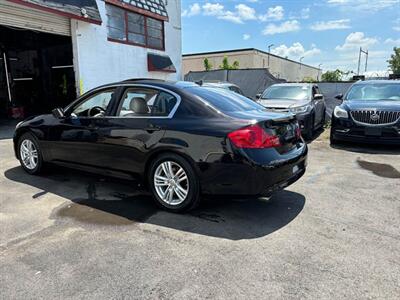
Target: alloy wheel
column 171, row 183
column 29, row 154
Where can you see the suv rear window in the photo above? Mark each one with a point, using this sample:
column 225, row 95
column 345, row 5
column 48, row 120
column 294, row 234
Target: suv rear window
column 225, row 100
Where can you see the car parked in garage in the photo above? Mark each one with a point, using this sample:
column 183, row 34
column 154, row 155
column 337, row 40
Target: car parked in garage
column 181, row 139
column 302, row 99
column 370, row 113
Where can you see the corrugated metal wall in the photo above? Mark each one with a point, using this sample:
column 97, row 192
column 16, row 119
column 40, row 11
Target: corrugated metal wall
column 20, row 16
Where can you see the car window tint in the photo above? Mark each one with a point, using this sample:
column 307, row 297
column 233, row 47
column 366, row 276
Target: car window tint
column 101, row 100
column 225, row 100
column 146, row 102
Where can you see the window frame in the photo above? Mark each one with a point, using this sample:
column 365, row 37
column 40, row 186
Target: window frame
column 93, row 93
column 145, row 86
column 126, row 30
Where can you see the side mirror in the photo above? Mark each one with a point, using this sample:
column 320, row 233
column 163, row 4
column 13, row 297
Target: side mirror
column 258, row 96
column 318, row 97
column 58, row 113
column 339, row 97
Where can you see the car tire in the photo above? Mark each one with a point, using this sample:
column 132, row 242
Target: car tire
column 174, row 183
column 332, row 140
column 310, row 132
column 30, row 154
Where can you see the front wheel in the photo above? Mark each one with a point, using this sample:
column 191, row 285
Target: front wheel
column 174, row 183
column 29, row 154
column 310, row 131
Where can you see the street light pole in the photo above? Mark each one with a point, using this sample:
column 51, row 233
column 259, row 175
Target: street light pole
column 301, row 58
column 319, row 69
column 269, row 52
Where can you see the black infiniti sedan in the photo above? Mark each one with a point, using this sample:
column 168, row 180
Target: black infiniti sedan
column 370, row 113
column 180, row 139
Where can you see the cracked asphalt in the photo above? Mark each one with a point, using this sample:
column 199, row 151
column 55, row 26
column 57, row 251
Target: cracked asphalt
column 334, row 234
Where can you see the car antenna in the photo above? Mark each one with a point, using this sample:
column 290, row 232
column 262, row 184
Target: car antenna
column 200, row 82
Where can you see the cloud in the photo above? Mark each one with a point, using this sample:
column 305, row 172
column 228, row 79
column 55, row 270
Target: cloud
column 365, row 5
column 213, row 9
column 356, row 40
column 288, row 26
column 246, row 36
column 245, row 12
column 331, row 25
column 296, row 51
column 273, row 14
column 391, row 41
column 242, row 12
column 193, row 10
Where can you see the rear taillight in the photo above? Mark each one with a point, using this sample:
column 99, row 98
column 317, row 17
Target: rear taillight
column 253, row 136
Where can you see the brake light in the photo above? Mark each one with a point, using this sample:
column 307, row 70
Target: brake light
column 253, row 136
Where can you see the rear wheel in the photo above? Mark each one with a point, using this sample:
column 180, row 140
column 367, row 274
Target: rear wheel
column 174, row 183
column 29, row 154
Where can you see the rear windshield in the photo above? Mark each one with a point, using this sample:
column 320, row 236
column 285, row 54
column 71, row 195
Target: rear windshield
column 225, row 100
column 377, row 91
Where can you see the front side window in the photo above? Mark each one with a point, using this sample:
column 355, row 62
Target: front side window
column 94, row 106
column 132, row 28
column 142, row 102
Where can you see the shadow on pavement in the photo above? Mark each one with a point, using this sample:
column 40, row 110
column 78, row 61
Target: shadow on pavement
column 97, row 201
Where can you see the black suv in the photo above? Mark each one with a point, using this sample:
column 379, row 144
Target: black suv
column 370, row 113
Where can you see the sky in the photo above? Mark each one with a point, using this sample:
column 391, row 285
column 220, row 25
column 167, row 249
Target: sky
column 326, row 32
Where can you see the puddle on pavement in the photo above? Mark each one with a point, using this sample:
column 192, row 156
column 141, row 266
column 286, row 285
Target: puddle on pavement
column 108, row 212
column 91, row 215
column 381, row 170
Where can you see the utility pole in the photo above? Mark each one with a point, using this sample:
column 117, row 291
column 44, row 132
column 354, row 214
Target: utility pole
column 269, row 52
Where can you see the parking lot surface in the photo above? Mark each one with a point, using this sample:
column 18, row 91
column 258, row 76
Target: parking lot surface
column 333, row 234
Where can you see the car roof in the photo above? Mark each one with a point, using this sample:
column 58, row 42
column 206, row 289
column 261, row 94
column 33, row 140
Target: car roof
column 294, row 84
column 370, row 82
column 224, row 84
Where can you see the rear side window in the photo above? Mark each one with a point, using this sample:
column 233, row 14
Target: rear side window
column 224, row 100
column 139, row 102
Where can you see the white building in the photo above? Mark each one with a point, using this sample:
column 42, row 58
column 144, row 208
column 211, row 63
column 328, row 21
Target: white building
column 55, row 50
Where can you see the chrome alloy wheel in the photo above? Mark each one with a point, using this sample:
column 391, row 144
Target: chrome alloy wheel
column 171, row 183
column 29, row 154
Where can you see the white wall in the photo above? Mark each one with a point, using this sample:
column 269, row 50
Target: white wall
column 98, row 61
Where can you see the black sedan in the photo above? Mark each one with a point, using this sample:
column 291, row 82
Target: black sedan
column 180, row 139
column 370, row 113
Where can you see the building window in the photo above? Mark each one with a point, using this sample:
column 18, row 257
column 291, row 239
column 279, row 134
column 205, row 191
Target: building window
column 136, row 29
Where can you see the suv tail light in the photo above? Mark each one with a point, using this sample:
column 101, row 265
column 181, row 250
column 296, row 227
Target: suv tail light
column 253, row 136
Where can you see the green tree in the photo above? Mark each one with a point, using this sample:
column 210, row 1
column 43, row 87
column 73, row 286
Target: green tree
column 309, row 79
column 226, row 66
column 207, row 65
column 331, row 76
column 394, row 61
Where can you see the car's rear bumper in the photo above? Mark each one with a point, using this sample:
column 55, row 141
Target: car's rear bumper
column 254, row 175
column 347, row 130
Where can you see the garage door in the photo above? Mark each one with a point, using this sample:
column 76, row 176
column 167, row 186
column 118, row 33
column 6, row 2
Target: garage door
column 25, row 17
